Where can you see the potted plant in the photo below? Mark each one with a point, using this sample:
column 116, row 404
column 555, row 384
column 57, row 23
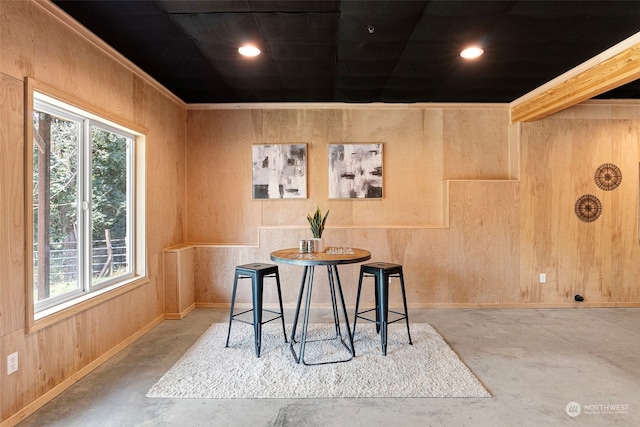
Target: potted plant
column 317, row 222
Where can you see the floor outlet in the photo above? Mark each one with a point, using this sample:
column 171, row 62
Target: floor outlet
column 12, row 363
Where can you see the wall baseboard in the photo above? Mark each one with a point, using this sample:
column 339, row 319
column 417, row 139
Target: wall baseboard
column 74, row 378
column 181, row 315
column 217, row 305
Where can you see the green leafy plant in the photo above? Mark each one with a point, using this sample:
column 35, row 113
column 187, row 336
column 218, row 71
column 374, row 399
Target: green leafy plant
column 317, row 222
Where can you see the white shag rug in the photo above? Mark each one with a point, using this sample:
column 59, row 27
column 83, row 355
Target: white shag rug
column 428, row 368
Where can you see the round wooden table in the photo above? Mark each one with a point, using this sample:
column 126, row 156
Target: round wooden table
column 332, row 257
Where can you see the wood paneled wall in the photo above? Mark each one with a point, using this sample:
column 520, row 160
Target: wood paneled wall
column 475, row 209
column 560, row 155
column 416, row 141
column 449, row 213
column 38, row 42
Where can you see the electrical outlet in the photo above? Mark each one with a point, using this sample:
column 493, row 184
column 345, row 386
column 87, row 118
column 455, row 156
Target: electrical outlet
column 12, row 363
column 543, row 277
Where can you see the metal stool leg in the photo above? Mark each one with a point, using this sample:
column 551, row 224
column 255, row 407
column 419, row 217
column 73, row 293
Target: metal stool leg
column 233, row 301
column 284, row 331
column 256, row 284
column 344, row 313
column 382, row 285
column 404, row 302
column 376, row 288
column 355, row 317
column 334, row 305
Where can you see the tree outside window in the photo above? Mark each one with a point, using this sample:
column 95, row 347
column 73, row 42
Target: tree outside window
column 82, row 204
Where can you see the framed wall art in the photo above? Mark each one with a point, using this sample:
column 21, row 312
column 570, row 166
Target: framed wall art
column 279, row 171
column 355, row 171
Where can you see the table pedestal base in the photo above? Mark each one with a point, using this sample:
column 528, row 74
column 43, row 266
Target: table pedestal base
column 306, row 285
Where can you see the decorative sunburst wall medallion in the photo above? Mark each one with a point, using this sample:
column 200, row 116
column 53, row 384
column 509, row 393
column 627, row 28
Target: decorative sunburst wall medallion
column 608, row 176
column 588, row 208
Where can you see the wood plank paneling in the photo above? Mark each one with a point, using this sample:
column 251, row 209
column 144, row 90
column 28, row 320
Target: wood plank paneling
column 481, row 267
column 178, row 279
column 476, row 144
column 16, row 40
column 35, row 43
column 221, row 209
column 12, row 294
column 498, row 235
column 483, row 244
column 595, row 259
column 428, row 271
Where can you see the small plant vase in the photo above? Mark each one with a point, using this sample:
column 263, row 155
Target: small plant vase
column 318, row 244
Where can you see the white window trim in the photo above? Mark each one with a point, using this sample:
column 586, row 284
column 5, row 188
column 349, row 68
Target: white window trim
column 49, row 316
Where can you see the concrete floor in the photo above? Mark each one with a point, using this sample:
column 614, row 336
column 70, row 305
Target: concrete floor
column 533, row 361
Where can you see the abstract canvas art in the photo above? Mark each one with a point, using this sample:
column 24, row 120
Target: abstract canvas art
column 279, row 171
column 355, row 171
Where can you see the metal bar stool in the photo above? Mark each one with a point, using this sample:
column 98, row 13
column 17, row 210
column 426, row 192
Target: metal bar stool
column 256, row 272
column 382, row 272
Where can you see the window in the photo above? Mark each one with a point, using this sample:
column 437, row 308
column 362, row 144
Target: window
column 83, row 205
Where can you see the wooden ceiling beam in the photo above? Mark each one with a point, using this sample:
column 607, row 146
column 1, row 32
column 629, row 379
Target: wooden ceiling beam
column 612, row 68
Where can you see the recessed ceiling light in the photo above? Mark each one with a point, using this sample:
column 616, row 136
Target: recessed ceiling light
column 249, row 50
column 472, row 52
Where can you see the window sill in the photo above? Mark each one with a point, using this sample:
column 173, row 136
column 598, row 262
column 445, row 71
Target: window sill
column 48, row 317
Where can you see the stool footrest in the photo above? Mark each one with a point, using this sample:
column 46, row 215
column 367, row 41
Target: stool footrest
column 369, row 319
column 390, row 319
column 245, row 276
column 248, row 319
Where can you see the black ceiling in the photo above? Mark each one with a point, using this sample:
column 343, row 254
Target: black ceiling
column 322, row 51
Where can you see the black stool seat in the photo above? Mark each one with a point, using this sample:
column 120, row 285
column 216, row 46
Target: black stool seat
column 257, row 272
column 382, row 272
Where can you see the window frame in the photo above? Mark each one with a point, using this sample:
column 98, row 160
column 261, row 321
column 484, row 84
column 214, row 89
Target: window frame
column 137, row 219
